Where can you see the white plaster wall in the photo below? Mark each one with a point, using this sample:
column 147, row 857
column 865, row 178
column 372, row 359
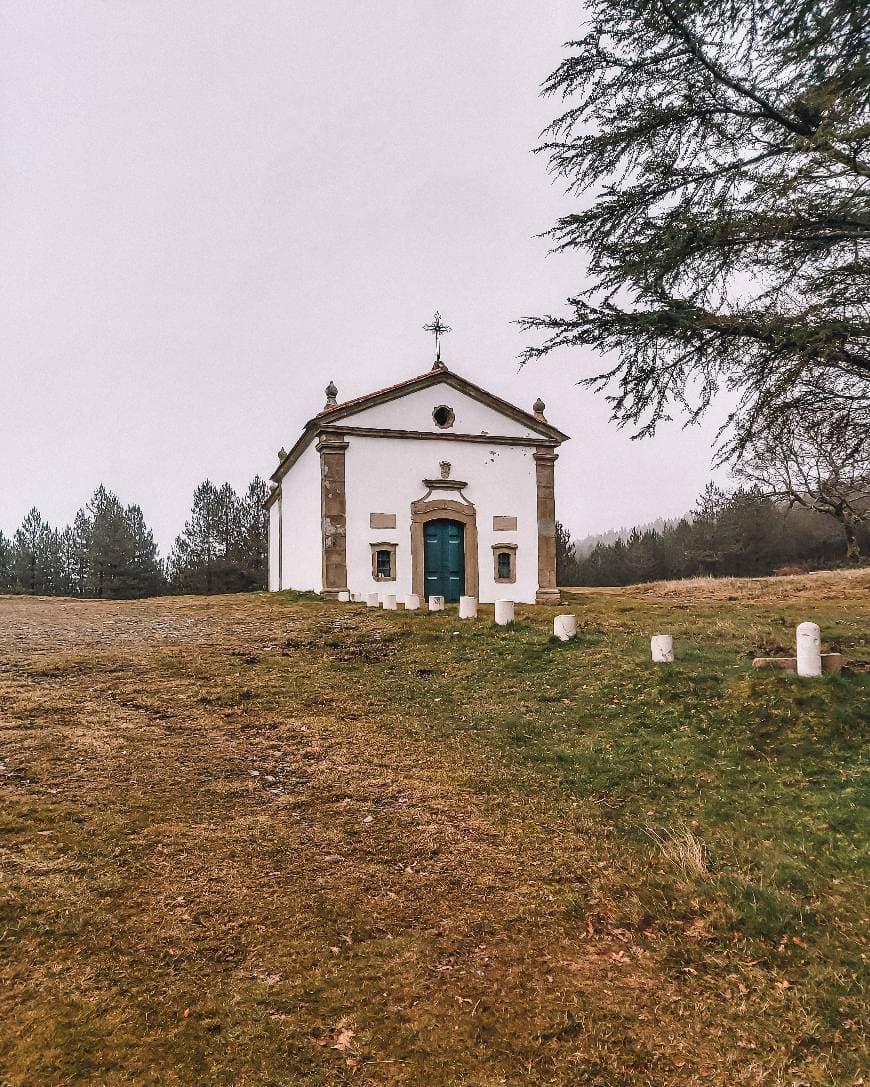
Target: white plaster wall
column 274, row 514
column 302, row 566
column 414, row 412
column 385, row 475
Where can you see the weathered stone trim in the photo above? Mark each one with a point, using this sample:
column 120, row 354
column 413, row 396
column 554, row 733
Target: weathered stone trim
column 382, row 520
column 498, row 549
column 444, row 436
column 445, row 484
column 545, row 461
column 333, row 513
column 384, row 545
column 433, row 509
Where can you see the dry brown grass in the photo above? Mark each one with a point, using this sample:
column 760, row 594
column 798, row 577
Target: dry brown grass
column 683, row 849
column 235, row 850
column 822, row 585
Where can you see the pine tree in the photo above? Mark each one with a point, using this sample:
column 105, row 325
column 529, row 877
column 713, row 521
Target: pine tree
column 81, row 532
column 55, row 580
column 722, row 148
column 111, row 546
column 143, row 573
column 195, row 555
column 566, row 557
column 31, row 553
column 223, row 547
column 7, row 576
column 255, row 533
column 68, row 562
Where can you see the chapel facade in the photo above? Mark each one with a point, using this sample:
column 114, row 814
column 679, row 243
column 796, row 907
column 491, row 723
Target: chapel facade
column 433, row 486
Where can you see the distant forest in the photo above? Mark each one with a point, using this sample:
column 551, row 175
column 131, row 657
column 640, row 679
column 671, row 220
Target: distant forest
column 729, row 534
column 109, row 551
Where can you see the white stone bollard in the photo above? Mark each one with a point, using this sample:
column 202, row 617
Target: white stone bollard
column 344, row 597
column 662, row 646
column 412, row 602
column 468, row 607
column 565, row 627
column 809, row 650
column 436, row 603
column 388, row 600
column 504, row 612
column 373, row 600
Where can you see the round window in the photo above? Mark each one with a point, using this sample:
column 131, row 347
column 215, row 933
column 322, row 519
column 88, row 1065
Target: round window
column 443, row 416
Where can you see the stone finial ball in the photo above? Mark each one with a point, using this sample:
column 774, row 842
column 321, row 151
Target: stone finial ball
column 331, row 390
column 538, row 406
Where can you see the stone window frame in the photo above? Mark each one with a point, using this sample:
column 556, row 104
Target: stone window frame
column 384, row 545
column 450, row 416
column 509, row 549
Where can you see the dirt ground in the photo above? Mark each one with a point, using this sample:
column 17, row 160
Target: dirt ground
column 237, row 848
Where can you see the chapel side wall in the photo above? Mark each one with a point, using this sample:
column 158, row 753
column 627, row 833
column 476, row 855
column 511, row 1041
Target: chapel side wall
column 274, row 533
column 302, row 550
column 385, row 475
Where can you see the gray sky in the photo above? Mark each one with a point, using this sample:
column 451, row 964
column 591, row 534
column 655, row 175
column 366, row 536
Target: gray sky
column 209, row 209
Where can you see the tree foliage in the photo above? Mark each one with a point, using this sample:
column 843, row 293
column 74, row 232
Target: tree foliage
column 223, row 547
column 723, row 151
column 566, row 556
column 108, row 551
column 816, row 469
column 744, row 533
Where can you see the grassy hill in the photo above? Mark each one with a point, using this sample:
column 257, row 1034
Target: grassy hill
column 273, row 842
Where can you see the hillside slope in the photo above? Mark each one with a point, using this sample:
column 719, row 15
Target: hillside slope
column 258, row 841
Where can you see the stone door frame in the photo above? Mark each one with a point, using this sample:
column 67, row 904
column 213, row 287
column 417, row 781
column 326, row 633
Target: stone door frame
column 436, row 509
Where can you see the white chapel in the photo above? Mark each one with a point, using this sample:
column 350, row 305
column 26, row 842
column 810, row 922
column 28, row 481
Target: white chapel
column 432, row 486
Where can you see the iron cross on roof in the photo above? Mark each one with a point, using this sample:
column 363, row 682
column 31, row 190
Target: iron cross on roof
column 438, row 329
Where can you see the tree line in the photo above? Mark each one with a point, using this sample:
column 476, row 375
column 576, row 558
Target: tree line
column 109, row 551
column 742, row 533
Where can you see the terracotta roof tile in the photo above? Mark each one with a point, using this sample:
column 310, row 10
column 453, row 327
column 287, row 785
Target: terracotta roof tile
column 380, row 392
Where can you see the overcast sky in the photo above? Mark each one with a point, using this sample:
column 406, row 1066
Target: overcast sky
column 212, row 208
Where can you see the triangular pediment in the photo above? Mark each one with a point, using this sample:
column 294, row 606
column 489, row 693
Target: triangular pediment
column 411, row 405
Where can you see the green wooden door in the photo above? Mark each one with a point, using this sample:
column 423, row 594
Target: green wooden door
column 444, row 559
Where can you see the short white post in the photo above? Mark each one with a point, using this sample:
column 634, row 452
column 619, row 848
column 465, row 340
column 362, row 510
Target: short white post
column 344, row 597
column 412, row 602
column 468, row 607
column 504, row 612
column 389, row 601
column 373, row 600
column 662, row 646
column 436, row 603
column 565, row 627
column 809, row 650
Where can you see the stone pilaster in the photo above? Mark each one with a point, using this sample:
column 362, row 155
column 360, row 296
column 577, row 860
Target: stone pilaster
column 545, row 462
column 333, row 513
